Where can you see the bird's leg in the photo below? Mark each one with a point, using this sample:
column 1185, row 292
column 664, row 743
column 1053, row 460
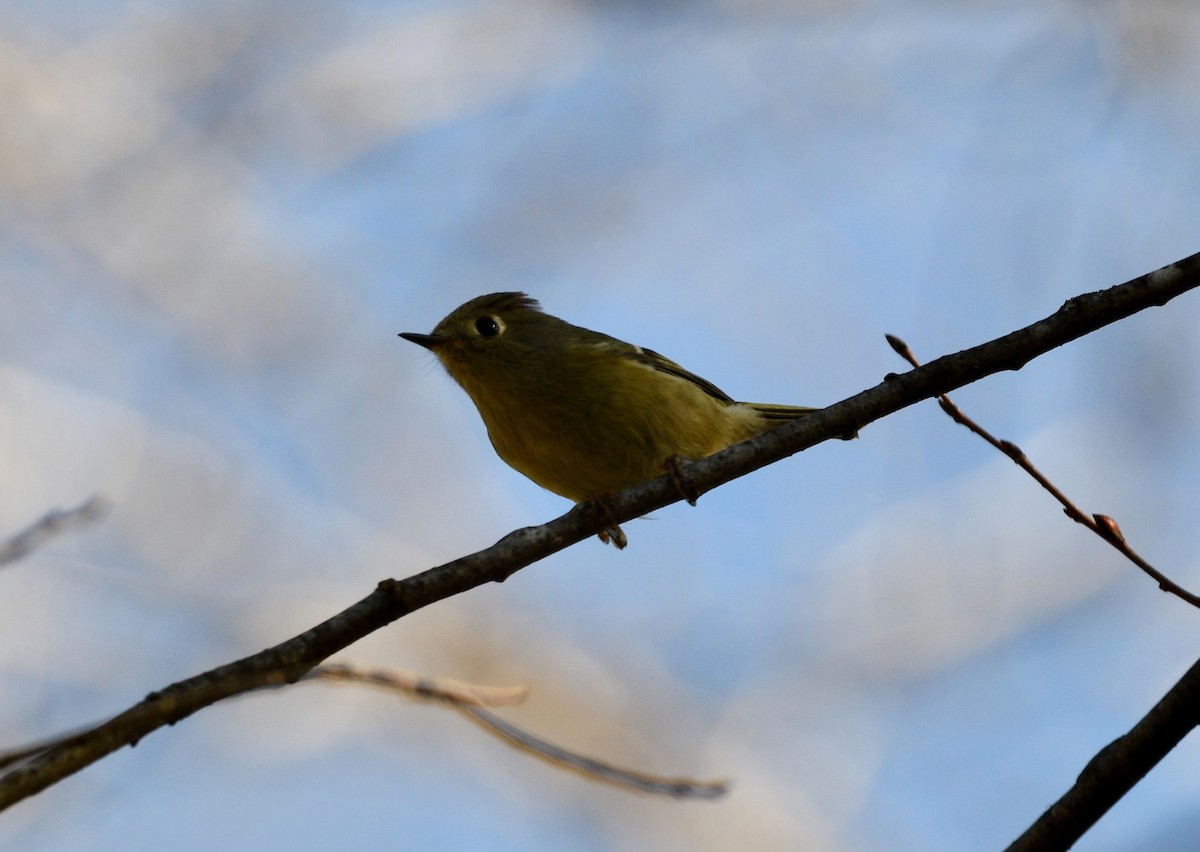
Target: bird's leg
column 599, row 503
column 675, row 469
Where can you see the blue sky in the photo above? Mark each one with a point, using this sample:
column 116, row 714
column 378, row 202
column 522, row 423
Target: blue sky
column 214, row 220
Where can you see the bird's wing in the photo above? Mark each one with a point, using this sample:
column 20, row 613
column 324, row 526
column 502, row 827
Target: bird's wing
column 665, row 365
column 650, row 358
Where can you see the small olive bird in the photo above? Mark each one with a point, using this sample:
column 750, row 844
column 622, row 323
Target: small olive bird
column 580, row 413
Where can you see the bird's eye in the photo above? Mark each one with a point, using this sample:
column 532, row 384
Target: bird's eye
column 487, row 326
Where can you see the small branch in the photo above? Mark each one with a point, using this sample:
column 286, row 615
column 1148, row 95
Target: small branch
column 394, row 680
column 393, row 599
column 1115, row 770
column 1101, row 525
column 51, row 524
column 470, row 700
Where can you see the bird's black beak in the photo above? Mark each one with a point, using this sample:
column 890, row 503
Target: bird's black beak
column 429, row 341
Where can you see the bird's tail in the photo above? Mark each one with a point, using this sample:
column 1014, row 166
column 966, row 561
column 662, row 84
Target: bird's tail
column 777, row 414
column 780, row 412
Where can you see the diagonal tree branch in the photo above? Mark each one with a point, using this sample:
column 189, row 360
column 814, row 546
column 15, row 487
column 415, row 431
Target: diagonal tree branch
column 1115, row 770
column 393, row 599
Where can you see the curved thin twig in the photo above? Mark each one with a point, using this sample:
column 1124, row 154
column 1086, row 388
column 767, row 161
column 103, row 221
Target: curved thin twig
column 419, row 687
column 590, row 767
column 472, row 700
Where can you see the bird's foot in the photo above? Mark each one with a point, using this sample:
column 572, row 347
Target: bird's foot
column 675, row 468
column 601, row 505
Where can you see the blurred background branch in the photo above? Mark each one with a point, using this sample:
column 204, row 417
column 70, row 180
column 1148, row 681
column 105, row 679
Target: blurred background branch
column 472, row 702
column 53, row 523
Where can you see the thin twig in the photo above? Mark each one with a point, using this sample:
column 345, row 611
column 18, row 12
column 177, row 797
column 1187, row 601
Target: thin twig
column 393, row 599
column 1101, row 525
column 49, row 525
column 471, row 700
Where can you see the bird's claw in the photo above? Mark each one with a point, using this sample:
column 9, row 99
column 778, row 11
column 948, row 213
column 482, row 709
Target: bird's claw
column 600, row 504
column 675, row 468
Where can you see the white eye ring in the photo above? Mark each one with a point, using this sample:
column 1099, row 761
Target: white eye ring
column 489, row 326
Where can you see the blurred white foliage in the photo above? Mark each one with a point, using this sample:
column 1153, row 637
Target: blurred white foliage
column 930, row 581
